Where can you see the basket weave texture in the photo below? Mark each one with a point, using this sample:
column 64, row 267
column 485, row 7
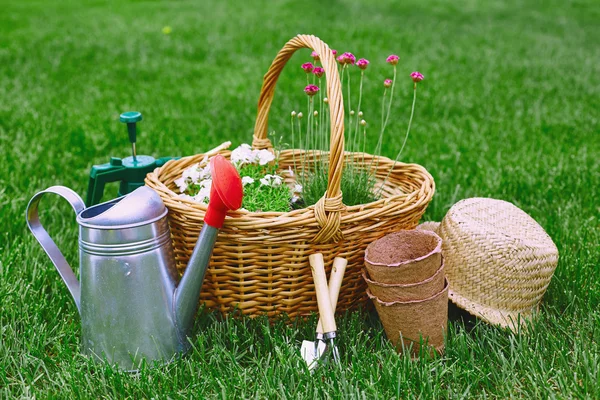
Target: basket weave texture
column 260, row 261
column 499, row 260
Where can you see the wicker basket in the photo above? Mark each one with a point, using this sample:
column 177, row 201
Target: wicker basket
column 260, row 261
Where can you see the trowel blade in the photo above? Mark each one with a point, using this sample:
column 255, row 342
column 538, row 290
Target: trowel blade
column 308, row 353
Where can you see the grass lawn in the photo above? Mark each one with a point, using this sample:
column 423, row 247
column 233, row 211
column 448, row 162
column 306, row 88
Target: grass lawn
column 509, row 109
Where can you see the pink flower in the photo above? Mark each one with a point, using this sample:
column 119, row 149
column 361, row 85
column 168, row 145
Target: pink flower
column 308, row 67
column 363, row 63
column 315, row 56
column 334, row 52
column 417, row 76
column 387, row 83
column 350, row 59
column 393, row 59
column 318, row 71
column 346, row 58
column 311, row 90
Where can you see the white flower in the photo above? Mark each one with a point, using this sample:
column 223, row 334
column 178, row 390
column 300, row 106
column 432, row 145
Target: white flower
column 187, row 173
column 207, row 184
column 264, row 156
column 295, row 198
column 205, row 173
column 289, row 172
column 297, row 188
column 181, row 184
column 194, row 175
column 203, row 196
column 271, row 180
column 246, row 180
column 242, row 155
column 277, row 180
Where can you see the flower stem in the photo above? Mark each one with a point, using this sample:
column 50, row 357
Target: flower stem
column 321, row 128
column 362, row 74
column 293, row 147
column 300, row 141
column 412, row 113
column 311, row 127
column 387, row 117
column 309, row 137
column 378, row 146
column 350, row 136
column 363, row 147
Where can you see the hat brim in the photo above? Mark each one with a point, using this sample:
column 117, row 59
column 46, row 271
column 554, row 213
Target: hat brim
column 506, row 319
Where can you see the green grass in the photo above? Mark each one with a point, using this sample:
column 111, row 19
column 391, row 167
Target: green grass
column 509, row 109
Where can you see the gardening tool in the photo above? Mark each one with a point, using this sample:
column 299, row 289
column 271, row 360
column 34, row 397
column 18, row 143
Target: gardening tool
column 313, row 351
column 131, row 304
column 325, row 308
column 130, row 171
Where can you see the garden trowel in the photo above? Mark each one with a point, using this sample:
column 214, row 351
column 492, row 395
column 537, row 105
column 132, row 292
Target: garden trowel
column 327, row 296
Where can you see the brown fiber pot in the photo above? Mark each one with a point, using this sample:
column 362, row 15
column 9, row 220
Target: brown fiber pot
column 403, row 257
column 407, row 291
column 413, row 321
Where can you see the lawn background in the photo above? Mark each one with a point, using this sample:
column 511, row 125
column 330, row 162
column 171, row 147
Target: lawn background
column 509, row 109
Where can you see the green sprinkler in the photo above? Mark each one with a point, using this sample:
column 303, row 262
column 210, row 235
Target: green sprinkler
column 130, row 171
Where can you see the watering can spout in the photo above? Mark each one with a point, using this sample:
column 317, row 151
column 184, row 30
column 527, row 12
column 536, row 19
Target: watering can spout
column 226, row 194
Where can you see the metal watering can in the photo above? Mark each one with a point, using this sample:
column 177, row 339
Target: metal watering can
column 130, row 299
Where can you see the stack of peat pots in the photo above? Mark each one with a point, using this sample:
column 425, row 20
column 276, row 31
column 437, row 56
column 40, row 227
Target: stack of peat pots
column 405, row 276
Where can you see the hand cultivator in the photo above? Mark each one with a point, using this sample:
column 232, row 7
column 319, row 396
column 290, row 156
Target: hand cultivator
column 327, row 295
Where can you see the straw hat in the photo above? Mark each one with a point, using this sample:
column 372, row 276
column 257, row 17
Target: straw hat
column 499, row 261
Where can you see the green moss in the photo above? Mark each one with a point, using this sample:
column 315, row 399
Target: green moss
column 258, row 197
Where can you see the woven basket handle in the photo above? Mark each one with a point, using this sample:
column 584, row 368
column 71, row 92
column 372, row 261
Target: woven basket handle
column 327, row 210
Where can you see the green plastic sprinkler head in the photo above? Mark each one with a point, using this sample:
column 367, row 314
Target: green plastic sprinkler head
column 129, row 171
column 130, row 118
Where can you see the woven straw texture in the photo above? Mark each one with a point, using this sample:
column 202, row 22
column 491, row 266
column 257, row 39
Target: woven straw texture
column 260, row 261
column 499, row 261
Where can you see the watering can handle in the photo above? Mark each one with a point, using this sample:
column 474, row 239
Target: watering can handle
column 34, row 224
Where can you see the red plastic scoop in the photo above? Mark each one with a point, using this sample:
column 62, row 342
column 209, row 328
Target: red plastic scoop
column 226, row 192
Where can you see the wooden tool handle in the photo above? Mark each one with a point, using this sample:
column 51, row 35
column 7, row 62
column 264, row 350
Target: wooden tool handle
column 325, row 308
column 335, row 283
